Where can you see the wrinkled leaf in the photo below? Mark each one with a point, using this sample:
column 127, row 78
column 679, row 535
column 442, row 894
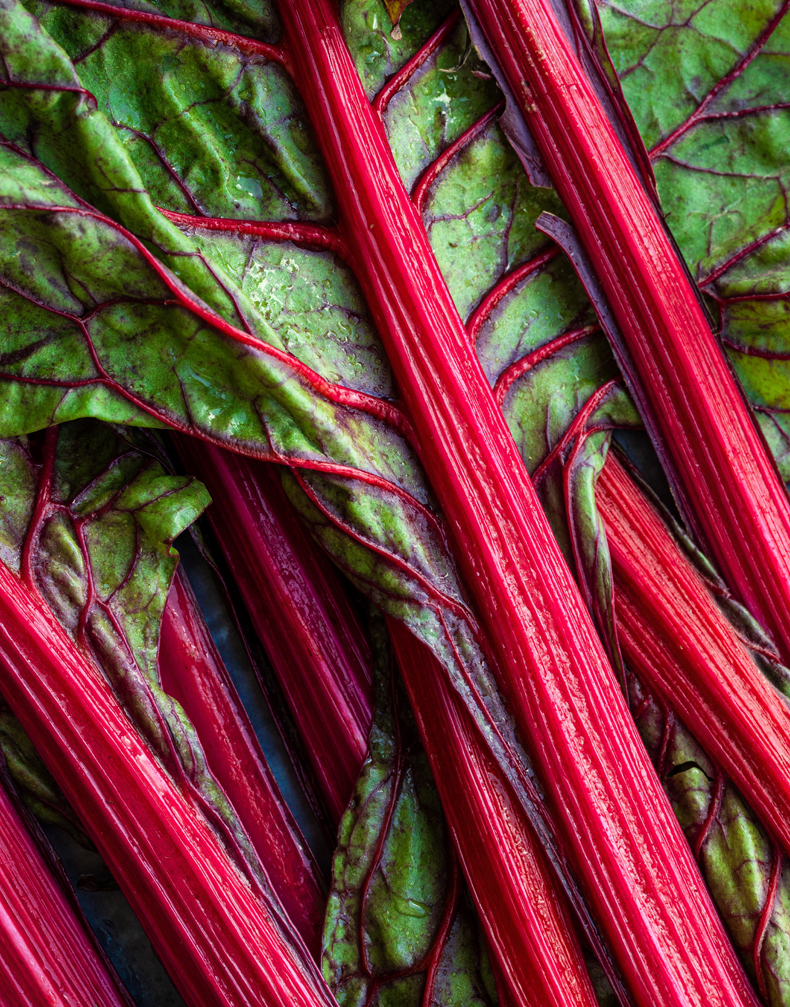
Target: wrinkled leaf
column 709, row 94
column 204, row 130
column 95, row 288
column 91, row 512
column 399, row 915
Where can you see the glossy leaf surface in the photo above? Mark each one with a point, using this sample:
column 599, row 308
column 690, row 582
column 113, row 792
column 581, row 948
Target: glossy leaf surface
column 400, row 929
column 708, row 93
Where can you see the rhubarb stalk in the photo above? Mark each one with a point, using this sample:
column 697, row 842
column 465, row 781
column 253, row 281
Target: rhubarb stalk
column 304, row 623
column 209, row 924
column 665, row 933
column 677, row 640
column 724, row 480
column 193, row 673
column 527, row 922
column 47, row 957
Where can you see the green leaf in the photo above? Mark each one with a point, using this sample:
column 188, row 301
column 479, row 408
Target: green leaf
column 709, row 94
column 398, row 915
column 122, row 315
column 91, row 512
column 378, row 51
column 71, row 137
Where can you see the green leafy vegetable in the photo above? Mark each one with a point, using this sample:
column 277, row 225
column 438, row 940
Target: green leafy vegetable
column 399, row 928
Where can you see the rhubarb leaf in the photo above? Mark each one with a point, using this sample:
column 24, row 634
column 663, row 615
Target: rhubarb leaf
column 91, row 512
column 130, row 318
column 709, row 94
column 399, row 925
column 211, row 131
column 51, row 116
column 377, row 52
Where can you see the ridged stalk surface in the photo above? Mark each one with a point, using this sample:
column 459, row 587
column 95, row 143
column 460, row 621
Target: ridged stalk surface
column 302, row 623
column 678, row 641
column 527, row 923
column 193, row 673
column 207, row 922
column 638, row 873
column 721, row 472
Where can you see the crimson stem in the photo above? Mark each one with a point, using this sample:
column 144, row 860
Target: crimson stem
column 677, row 640
column 208, row 923
column 724, row 480
column 527, row 922
column 304, row 622
column 193, row 673
column 627, row 847
column 47, row 957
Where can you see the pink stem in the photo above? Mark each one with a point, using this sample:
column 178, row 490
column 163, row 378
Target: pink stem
column 563, row 694
column 46, row 956
column 209, row 924
column 193, row 673
column 259, row 536
column 677, row 640
column 527, row 922
column 725, row 481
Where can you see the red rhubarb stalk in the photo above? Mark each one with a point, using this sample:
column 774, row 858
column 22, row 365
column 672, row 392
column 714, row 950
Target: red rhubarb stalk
column 726, row 484
column 527, row 922
column 207, row 922
column 305, row 623
column 638, row 872
column 677, row 640
column 193, row 673
column 47, row 959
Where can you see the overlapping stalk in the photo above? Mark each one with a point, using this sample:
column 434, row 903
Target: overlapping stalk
column 678, row 641
column 47, row 957
column 501, row 560
column 306, row 622
column 527, row 922
column 192, row 672
column 211, row 925
column 668, row 941
column 726, row 484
